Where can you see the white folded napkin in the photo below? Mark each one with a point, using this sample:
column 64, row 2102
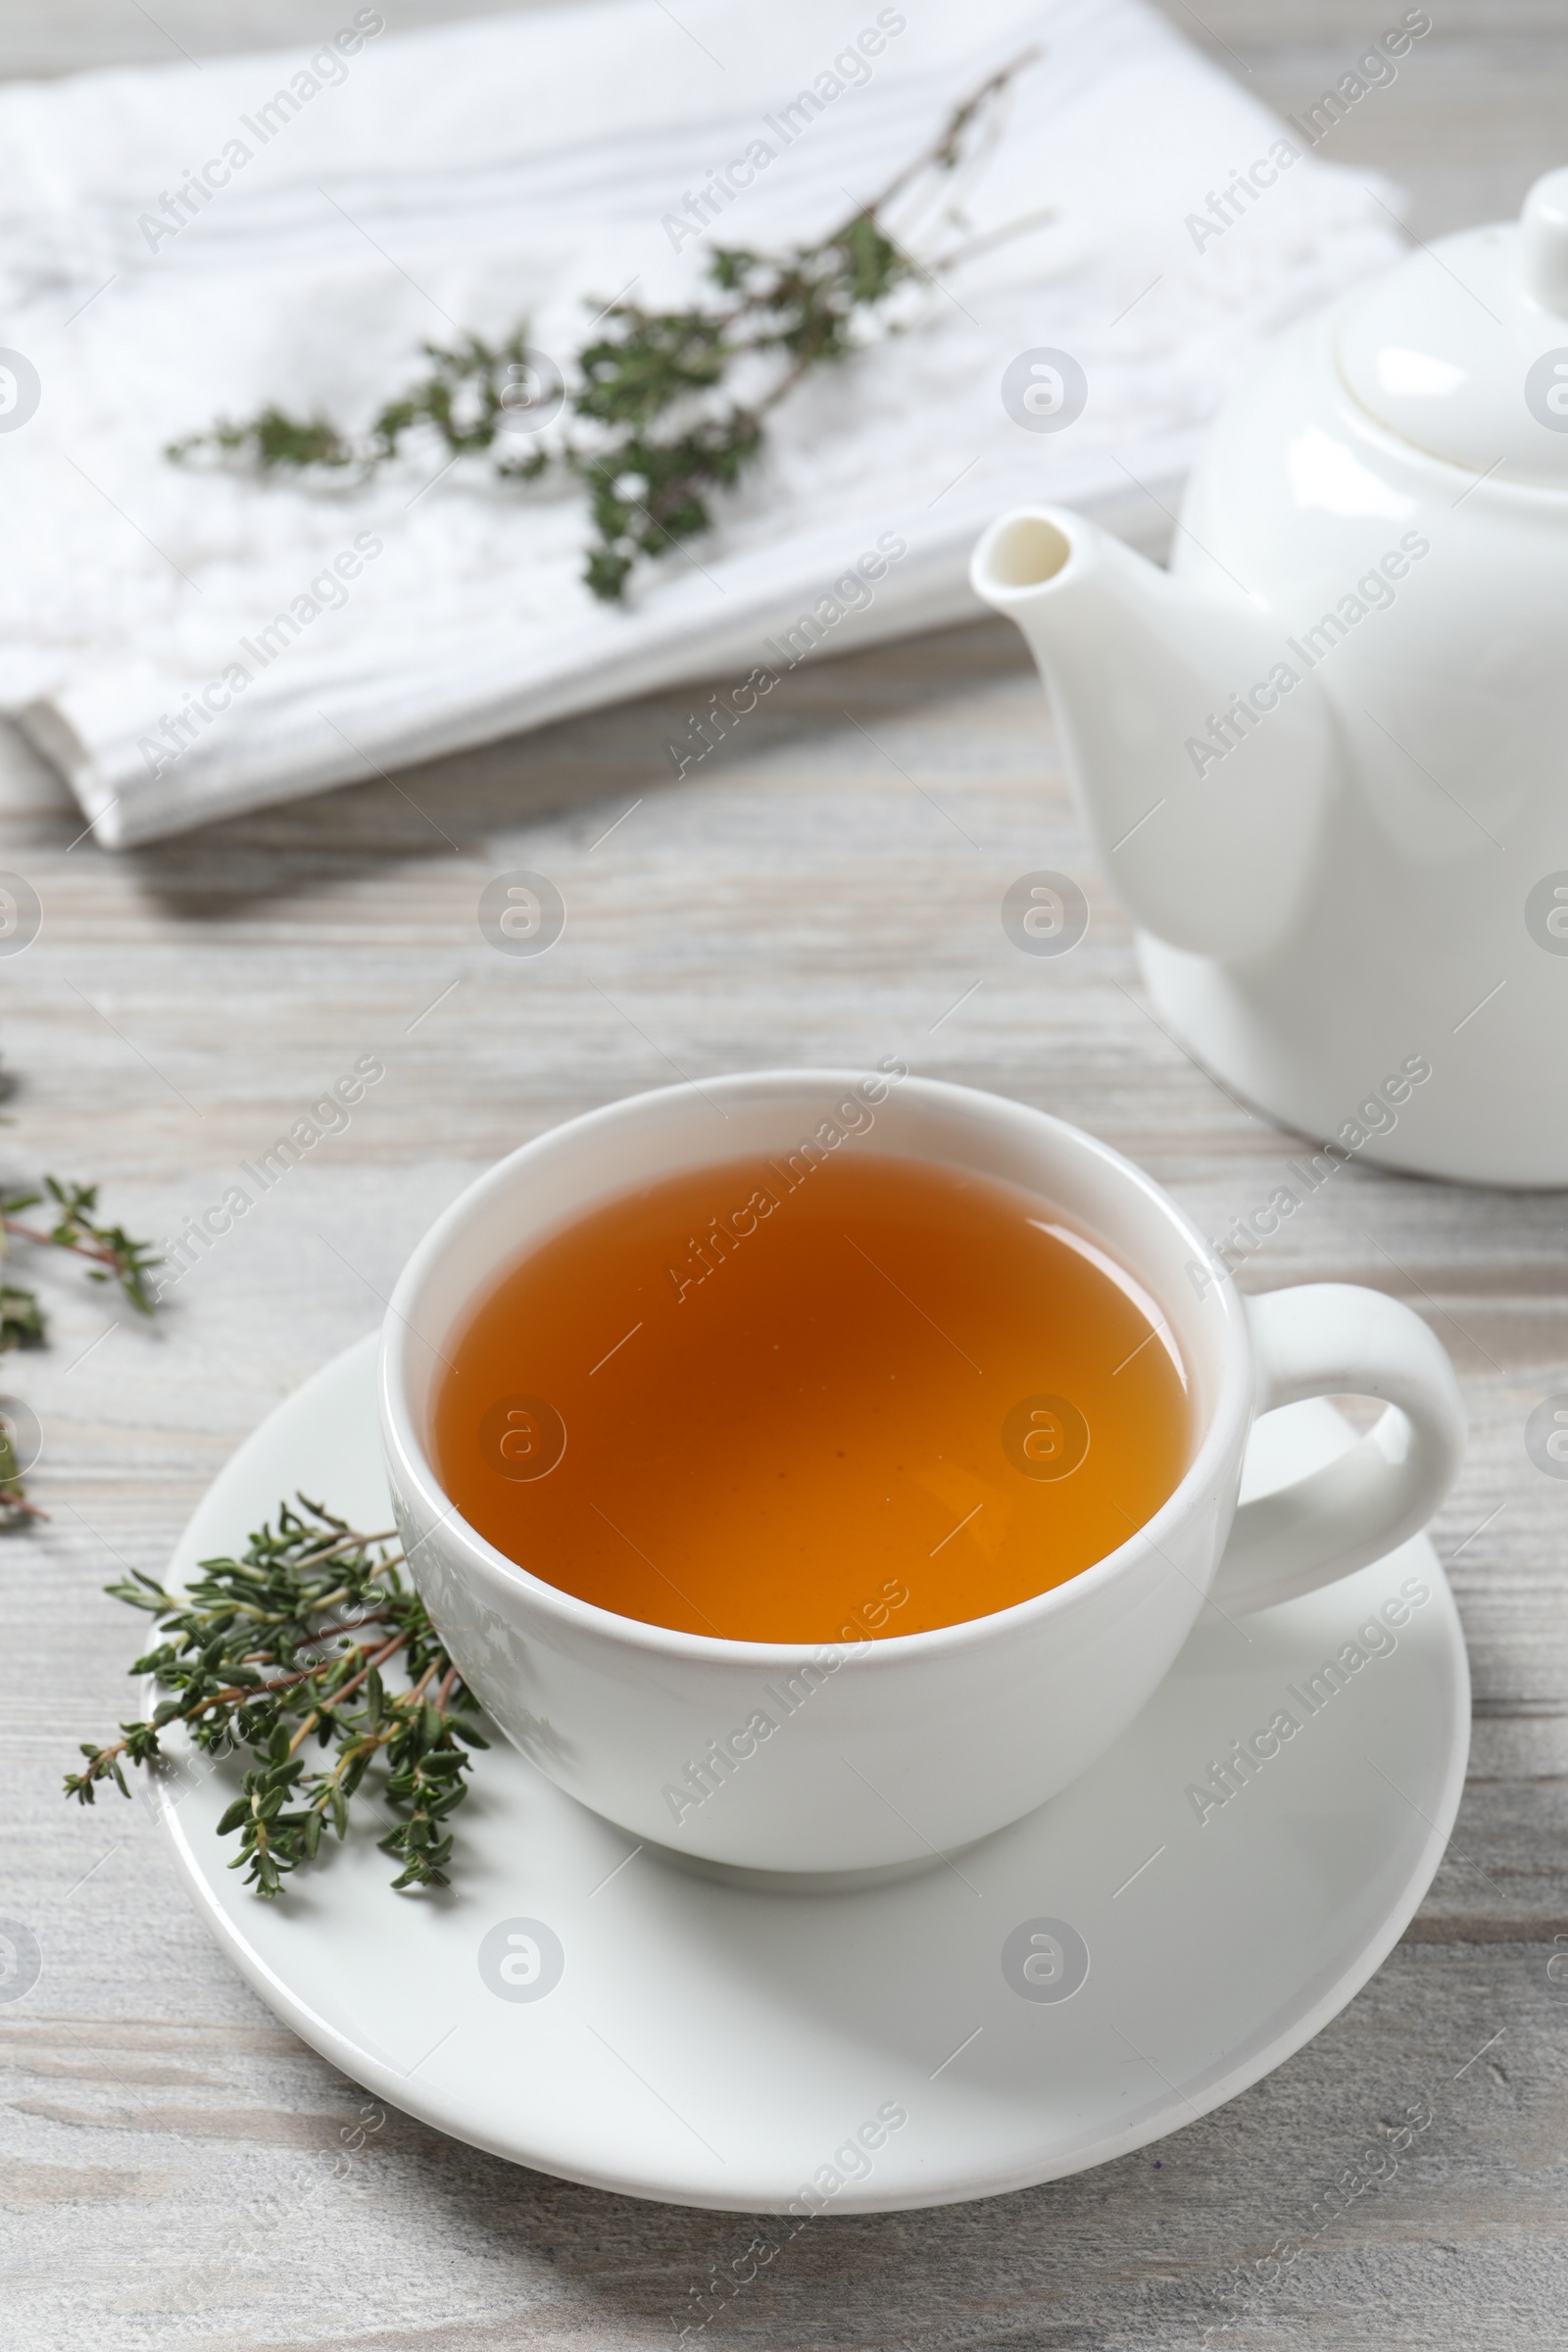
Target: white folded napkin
column 187, row 644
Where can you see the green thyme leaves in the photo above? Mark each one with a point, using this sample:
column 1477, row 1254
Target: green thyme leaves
column 662, row 411
column 284, row 1653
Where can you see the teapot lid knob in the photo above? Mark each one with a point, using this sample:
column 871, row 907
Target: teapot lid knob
column 1545, row 242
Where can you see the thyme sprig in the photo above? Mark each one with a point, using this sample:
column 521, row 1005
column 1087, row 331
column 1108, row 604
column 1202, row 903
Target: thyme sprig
column 292, row 1641
column 653, row 428
column 113, row 1255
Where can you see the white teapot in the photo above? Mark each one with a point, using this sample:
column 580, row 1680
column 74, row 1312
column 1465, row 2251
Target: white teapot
column 1324, row 759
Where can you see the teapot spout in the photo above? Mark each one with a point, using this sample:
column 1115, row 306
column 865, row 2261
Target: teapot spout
column 1200, row 755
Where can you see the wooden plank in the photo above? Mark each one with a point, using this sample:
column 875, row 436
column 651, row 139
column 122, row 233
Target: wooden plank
column 827, row 888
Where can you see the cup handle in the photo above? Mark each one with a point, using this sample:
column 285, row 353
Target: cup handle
column 1332, row 1338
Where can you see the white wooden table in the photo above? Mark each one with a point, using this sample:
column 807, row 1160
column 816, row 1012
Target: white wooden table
column 827, row 890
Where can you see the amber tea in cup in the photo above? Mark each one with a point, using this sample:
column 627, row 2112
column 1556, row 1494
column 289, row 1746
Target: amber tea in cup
column 812, row 1400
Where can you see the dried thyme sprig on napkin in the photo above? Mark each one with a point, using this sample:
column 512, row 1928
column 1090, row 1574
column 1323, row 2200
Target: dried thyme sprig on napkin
column 291, row 1641
column 653, row 430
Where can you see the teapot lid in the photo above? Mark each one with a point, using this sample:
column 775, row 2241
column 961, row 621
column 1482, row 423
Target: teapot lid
column 1463, row 347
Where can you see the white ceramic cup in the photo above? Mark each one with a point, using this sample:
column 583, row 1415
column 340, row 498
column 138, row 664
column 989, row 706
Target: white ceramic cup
column 879, row 1755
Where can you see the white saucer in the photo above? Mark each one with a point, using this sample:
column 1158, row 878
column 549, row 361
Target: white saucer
column 719, row 2047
